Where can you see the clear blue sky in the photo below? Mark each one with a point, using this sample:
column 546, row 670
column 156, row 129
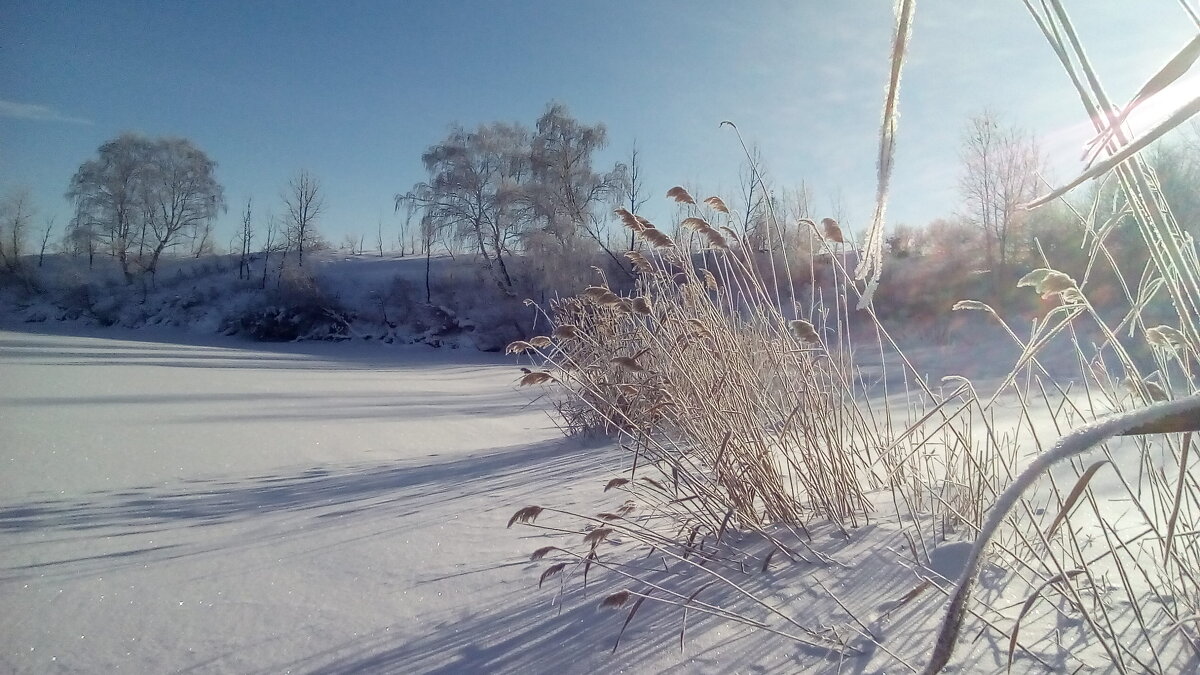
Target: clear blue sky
column 355, row 91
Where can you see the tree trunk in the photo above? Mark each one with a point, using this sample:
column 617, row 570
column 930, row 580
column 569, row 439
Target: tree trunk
column 123, row 257
column 496, row 244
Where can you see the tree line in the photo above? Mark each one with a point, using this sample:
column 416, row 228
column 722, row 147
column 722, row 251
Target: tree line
column 502, row 189
column 532, row 207
column 141, row 199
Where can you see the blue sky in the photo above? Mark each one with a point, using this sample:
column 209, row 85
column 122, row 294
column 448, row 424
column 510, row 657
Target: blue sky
column 355, row 91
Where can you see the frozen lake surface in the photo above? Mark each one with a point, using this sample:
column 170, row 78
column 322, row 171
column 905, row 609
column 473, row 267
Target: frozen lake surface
column 166, row 507
column 172, row 503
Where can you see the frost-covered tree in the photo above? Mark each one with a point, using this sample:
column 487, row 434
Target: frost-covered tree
column 754, row 205
column 275, row 242
column 567, row 191
column 476, row 192
column 16, row 212
column 107, row 193
column 632, row 189
column 245, row 240
column 181, row 195
column 142, row 196
column 1176, row 164
column 500, row 189
column 304, row 201
column 1000, row 168
column 81, row 238
column 45, row 240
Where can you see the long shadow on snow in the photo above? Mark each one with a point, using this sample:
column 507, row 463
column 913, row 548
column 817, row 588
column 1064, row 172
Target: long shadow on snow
column 178, row 348
column 309, row 406
column 529, row 634
column 214, row 501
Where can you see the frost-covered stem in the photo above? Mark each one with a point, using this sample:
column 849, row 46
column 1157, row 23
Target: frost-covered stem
column 1144, row 420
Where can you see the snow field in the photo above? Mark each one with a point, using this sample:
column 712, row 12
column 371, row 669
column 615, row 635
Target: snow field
column 170, row 503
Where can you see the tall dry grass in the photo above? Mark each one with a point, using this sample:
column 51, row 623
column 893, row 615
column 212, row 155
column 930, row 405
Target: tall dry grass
column 746, row 407
column 738, row 414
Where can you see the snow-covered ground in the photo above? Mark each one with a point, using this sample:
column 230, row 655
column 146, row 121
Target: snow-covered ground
column 174, row 503
column 166, row 507
column 334, row 296
column 170, row 505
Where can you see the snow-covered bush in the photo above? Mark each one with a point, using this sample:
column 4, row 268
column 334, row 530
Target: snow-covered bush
column 299, row 308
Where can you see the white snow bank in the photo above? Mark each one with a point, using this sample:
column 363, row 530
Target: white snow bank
column 172, row 502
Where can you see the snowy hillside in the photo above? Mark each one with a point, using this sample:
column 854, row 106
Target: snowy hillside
column 335, row 296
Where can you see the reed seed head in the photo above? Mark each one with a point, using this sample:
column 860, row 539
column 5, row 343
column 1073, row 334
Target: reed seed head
column 566, row 332
column 716, row 204
column 969, row 305
column 517, row 347
column 1165, row 337
column 629, row 220
column 596, row 536
column 525, row 515
column 615, row 483
column 833, row 232
column 541, row 552
column 535, row 377
column 551, row 571
column 656, row 238
column 716, row 240
column 1047, row 282
column 804, row 331
column 627, row 363
column 615, row 600
column 639, row 261
column 680, row 195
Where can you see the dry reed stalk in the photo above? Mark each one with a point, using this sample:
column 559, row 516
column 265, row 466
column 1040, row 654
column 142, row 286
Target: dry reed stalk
column 1079, row 441
column 739, row 416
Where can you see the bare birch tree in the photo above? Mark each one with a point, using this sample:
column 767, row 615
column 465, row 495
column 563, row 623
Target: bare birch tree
column 475, row 192
column 180, row 193
column 566, row 191
column 45, row 240
column 632, row 190
column 106, row 192
column 16, row 212
column 272, row 244
column 246, row 241
column 304, row 202
column 143, row 196
column 1000, row 168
